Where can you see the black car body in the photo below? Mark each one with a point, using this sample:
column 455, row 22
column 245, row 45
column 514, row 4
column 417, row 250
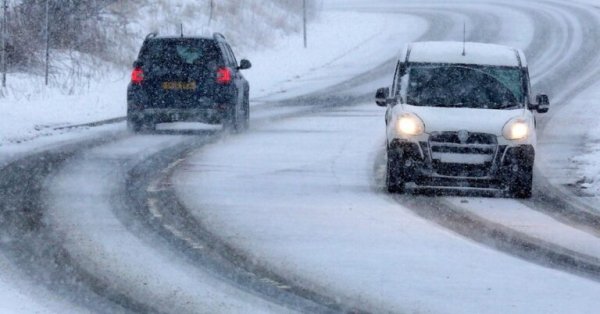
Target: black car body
column 187, row 79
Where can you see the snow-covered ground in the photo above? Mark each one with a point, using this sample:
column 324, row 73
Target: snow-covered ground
column 320, row 218
column 103, row 245
column 30, row 110
column 571, row 147
column 19, row 297
column 290, row 70
column 310, row 210
column 31, row 114
column 588, row 163
column 581, row 156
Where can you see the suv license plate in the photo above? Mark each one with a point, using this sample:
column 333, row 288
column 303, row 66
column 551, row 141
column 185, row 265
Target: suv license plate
column 179, row 85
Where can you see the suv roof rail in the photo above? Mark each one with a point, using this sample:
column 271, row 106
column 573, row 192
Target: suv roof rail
column 151, row 35
column 218, row 36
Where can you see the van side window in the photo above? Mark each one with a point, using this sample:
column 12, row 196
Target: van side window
column 527, row 85
column 400, row 72
column 395, row 81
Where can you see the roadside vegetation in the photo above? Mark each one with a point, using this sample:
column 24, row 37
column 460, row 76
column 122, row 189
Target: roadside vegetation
column 88, row 38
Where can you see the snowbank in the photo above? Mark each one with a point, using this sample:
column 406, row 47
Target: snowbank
column 582, row 169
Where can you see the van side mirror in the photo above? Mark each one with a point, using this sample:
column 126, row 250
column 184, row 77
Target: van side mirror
column 543, row 103
column 381, row 97
column 244, row 64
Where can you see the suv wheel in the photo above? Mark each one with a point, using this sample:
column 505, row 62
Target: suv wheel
column 231, row 121
column 137, row 126
column 522, row 182
column 394, row 178
column 246, row 122
column 150, row 126
column 134, row 126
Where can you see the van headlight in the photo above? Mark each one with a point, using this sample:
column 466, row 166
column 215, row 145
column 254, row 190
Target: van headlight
column 409, row 124
column 516, row 129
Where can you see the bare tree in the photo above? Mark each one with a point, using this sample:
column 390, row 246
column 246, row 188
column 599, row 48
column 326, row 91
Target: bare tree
column 74, row 24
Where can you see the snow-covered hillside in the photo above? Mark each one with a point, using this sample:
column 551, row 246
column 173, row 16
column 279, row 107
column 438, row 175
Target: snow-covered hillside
column 248, row 24
column 85, row 87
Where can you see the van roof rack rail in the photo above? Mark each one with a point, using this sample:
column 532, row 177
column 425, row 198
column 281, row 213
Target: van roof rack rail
column 151, row 35
column 218, row 36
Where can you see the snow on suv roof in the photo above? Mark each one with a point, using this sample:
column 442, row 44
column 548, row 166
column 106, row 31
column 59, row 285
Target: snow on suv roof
column 476, row 53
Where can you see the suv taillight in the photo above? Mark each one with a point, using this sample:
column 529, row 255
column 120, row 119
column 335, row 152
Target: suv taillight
column 224, row 76
column 137, row 76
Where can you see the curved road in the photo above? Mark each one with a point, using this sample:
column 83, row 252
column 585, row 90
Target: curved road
column 70, row 216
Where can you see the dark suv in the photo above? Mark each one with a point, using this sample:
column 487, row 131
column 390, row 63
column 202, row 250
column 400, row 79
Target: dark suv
column 187, row 79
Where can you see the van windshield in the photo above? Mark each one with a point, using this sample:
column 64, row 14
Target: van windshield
column 485, row 87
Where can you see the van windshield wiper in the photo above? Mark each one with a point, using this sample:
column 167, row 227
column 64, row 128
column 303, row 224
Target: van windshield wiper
column 507, row 105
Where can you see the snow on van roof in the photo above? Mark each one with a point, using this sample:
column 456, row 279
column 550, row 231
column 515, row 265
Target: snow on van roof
column 476, row 53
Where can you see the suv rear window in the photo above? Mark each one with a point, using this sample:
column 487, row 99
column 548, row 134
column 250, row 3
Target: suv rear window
column 169, row 52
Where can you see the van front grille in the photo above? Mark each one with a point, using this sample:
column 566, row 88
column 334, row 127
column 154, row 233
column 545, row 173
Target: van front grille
column 462, row 154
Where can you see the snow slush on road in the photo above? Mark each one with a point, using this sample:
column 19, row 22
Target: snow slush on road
column 461, row 115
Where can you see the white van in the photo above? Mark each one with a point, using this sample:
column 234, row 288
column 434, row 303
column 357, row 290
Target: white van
column 461, row 115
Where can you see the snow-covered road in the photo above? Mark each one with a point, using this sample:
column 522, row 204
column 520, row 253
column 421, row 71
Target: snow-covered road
column 305, row 199
column 322, row 219
column 291, row 216
column 72, row 229
column 105, row 242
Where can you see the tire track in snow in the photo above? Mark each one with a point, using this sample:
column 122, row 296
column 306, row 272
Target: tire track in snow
column 37, row 249
column 164, row 215
column 153, row 202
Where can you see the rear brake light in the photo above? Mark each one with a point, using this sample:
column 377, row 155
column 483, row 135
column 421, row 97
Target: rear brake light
column 137, row 76
column 223, row 76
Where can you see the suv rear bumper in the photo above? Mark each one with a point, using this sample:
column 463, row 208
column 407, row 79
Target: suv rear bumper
column 214, row 115
column 421, row 168
column 142, row 108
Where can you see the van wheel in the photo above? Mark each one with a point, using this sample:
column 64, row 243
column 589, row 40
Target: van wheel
column 394, row 178
column 522, row 183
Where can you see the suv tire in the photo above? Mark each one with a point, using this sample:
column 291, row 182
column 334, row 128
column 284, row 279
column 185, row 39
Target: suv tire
column 231, row 122
column 134, row 126
column 246, row 122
